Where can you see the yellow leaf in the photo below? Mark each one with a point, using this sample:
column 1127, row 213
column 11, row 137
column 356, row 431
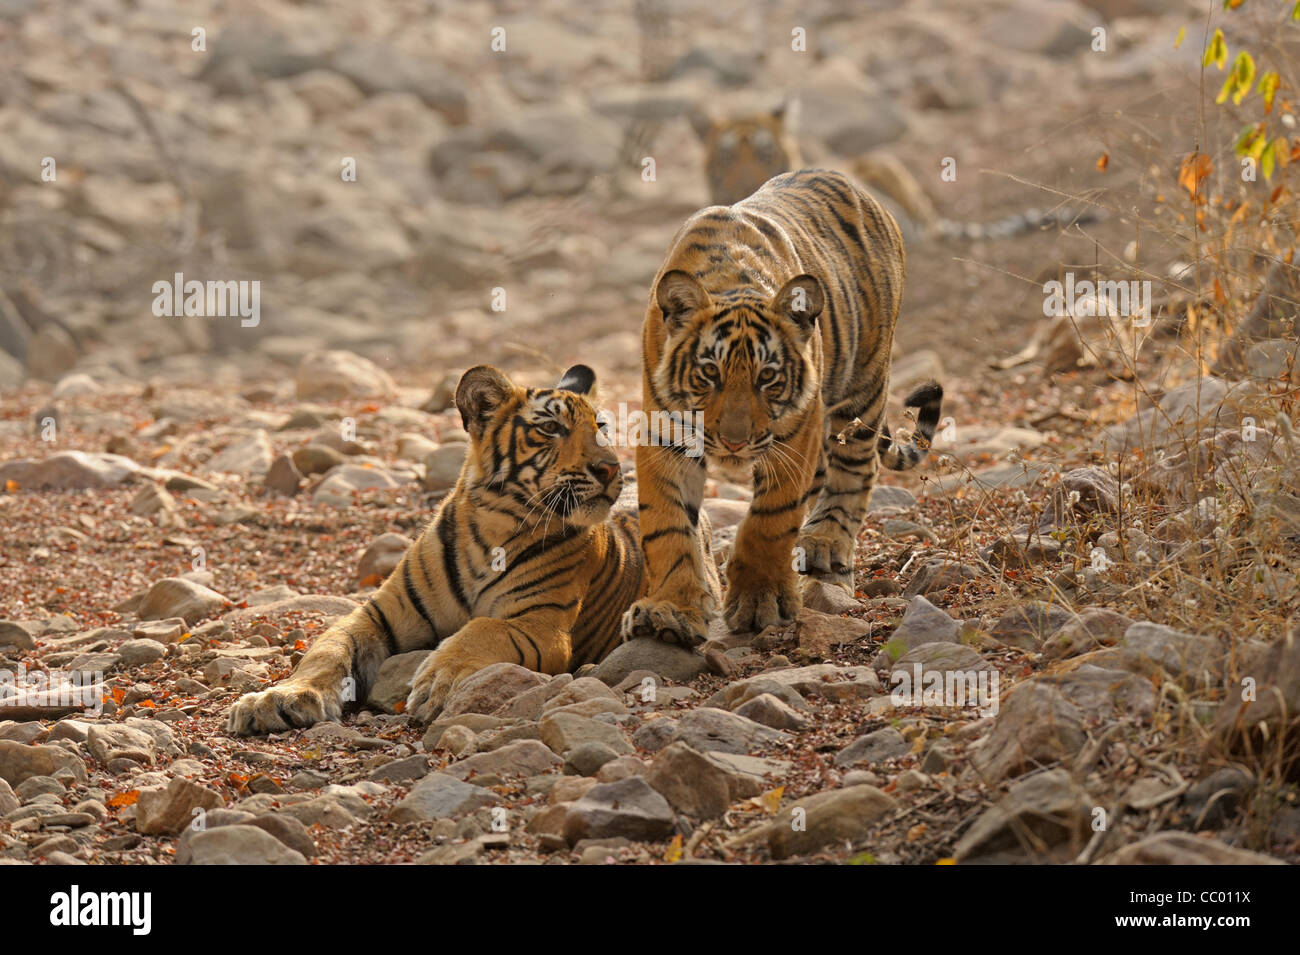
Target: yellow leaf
column 1268, row 84
column 947, row 861
column 674, row 851
column 1216, row 52
column 771, row 801
column 1178, row 40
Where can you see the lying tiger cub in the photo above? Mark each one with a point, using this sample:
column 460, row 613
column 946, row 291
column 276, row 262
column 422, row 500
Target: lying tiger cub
column 771, row 322
column 522, row 563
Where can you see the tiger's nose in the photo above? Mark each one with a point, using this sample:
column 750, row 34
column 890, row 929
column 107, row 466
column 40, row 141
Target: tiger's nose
column 732, row 445
column 604, row 471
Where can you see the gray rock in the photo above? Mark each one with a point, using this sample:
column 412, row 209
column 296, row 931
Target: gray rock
column 1027, row 625
column 875, row 747
column 708, row 729
column 692, row 784
column 1035, row 726
column 8, row 799
column 937, row 575
column 380, row 557
column 915, row 664
column 247, row 457
column 337, row 375
column 178, row 597
column 91, row 664
column 630, row 808
column 822, row 680
column 1192, row 660
column 923, row 622
column 282, row 477
column 1183, row 848
column 1099, row 691
column 393, row 682
column 29, row 789
column 163, row 631
column 344, row 481
column 771, row 711
column 586, row 759
column 20, row 761
column 886, row 495
column 70, row 471
column 667, row 660
column 488, row 689
column 111, row 741
column 828, row 818
column 442, row 467
column 565, row 731
column 240, row 845
column 402, row 770
column 136, row 653
column 316, row 459
column 1049, row 808
column 167, row 811
column 1094, row 627
column 526, row 757
column 15, row 634
column 439, row 796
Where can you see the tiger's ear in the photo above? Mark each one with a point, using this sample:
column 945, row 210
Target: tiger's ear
column 702, row 123
column 679, row 296
column 786, row 113
column 800, row 301
column 579, row 379
column 480, row 393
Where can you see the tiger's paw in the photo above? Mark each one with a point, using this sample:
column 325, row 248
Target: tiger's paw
column 666, row 621
column 754, row 605
column 280, row 708
column 434, row 680
column 826, row 552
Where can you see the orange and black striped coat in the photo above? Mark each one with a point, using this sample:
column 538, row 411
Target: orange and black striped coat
column 771, row 322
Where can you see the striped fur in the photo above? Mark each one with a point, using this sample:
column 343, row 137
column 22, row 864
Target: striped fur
column 522, row 563
column 774, row 320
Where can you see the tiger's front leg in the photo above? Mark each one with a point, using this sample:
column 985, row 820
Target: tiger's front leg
column 830, row 536
column 762, row 580
column 682, row 596
column 331, row 674
column 539, row 642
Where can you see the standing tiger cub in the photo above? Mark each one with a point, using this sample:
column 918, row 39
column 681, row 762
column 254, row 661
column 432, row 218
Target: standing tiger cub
column 522, row 563
column 771, row 323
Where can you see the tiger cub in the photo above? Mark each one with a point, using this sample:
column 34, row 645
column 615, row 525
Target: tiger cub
column 522, row 563
column 771, row 323
column 744, row 151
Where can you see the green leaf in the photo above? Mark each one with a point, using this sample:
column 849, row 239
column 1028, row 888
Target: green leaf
column 1268, row 84
column 1217, row 51
column 1295, row 11
column 1243, row 68
column 1249, row 133
column 1267, row 161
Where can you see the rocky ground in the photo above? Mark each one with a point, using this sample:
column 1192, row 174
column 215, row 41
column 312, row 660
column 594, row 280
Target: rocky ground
column 187, row 502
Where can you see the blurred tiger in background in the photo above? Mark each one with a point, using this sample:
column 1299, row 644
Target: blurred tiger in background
column 522, row 563
column 745, row 150
column 771, row 321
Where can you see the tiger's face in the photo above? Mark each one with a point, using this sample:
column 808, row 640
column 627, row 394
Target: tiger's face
column 542, row 449
column 742, row 153
column 743, row 366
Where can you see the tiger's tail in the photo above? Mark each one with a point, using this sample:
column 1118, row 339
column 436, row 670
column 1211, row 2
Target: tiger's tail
column 927, row 399
column 1019, row 223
